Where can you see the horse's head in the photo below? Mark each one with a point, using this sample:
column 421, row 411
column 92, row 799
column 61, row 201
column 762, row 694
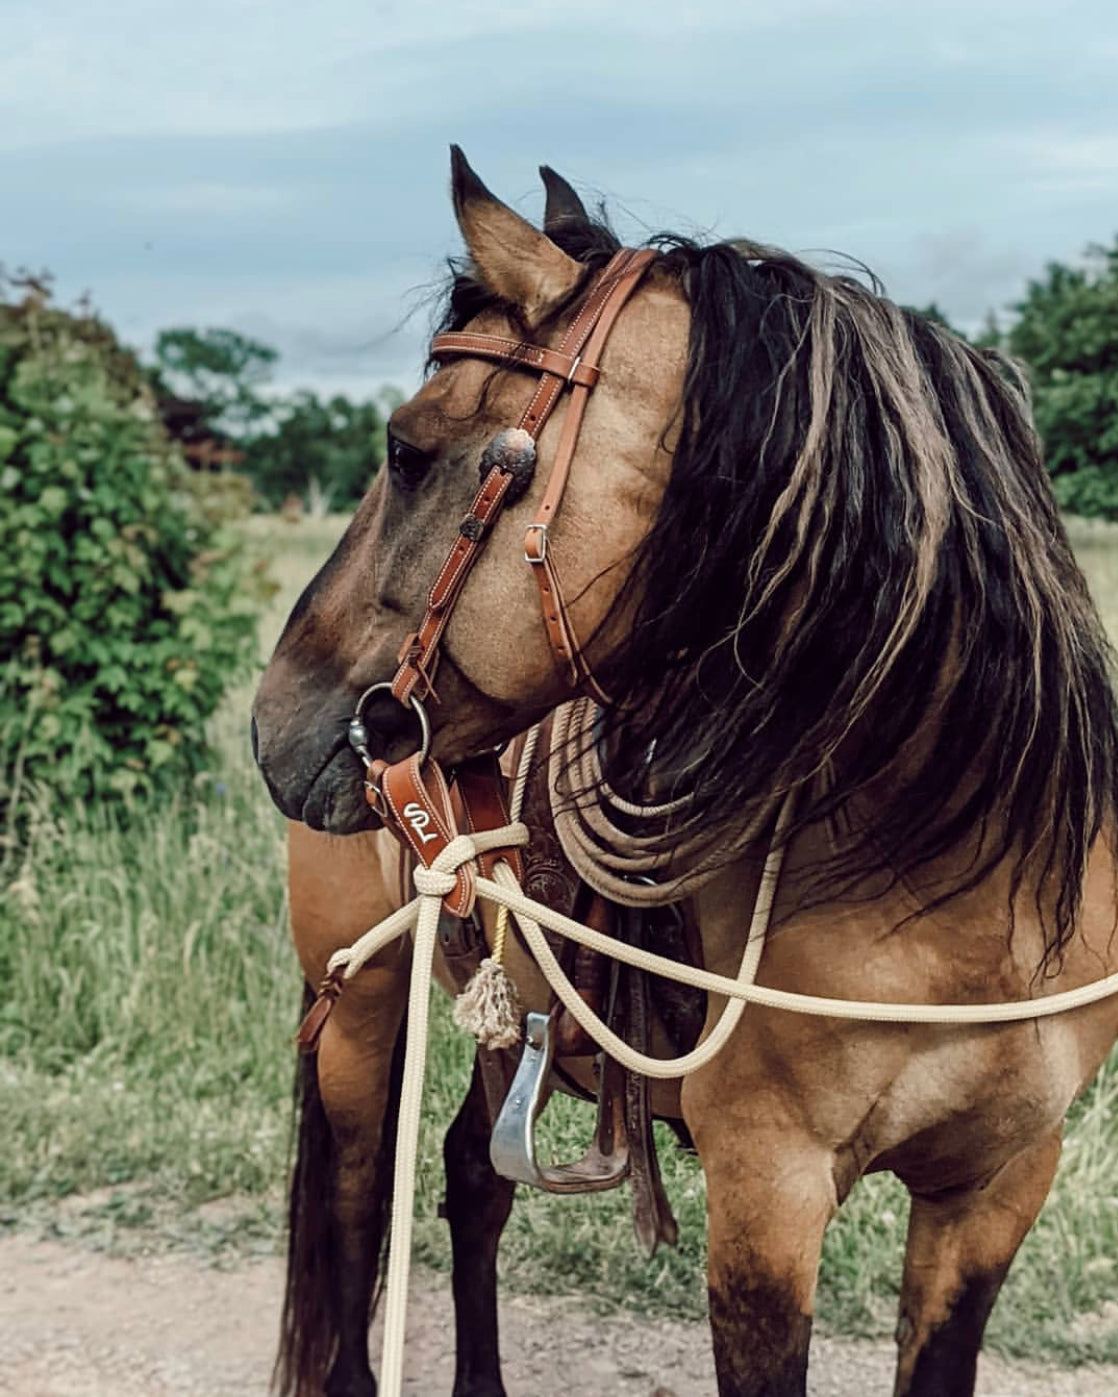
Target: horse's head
column 496, row 668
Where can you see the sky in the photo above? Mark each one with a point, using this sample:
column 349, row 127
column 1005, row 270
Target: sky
column 281, row 168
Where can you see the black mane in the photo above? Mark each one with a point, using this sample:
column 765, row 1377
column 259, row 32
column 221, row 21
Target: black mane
column 871, row 600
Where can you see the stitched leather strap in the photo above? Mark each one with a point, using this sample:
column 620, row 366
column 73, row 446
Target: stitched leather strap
column 577, row 334
column 574, row 365
column 480, row 799
column 421, row 817
column 569, row 367
column 418, row 650
column 556, row 614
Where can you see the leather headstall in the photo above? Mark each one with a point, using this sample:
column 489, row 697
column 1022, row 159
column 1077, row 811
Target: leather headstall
column 412, row 796
column 507, row 465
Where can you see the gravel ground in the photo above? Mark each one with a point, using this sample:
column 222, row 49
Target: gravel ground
column 76, row 1323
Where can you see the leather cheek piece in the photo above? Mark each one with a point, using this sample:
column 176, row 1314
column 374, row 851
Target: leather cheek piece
column 508, row 463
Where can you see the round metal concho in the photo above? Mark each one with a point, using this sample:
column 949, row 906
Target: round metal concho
column 359, row 734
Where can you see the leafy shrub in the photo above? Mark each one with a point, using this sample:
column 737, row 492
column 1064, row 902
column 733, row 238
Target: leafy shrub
column 125, row 608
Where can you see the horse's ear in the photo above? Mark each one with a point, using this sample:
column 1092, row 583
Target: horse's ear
column 563, row 204
column 516, row 261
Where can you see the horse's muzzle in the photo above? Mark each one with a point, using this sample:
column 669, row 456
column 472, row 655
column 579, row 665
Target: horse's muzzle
column 309, row 766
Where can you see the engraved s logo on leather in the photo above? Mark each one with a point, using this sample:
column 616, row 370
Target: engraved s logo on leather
column 419, row 819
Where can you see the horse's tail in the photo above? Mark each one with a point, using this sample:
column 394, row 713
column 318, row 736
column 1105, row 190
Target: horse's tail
column 308, row 1327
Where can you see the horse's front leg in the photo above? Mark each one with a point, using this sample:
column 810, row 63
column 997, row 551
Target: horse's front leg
column 478, row 1203
column 341, row 1188
column 960, row 1245
column 770, row 1195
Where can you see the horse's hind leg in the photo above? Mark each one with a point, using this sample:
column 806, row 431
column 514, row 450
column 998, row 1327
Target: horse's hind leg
column 960, row 1245
column 478, row 1202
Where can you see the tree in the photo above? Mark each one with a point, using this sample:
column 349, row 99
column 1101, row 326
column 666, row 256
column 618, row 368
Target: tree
column 291, row 445
column 220, row 369
column 336, row 445
column 1067, row 333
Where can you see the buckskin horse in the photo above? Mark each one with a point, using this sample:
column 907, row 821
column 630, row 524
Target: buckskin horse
column 806, row 559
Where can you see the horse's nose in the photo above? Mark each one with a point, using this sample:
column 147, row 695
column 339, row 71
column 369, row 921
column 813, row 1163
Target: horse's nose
column 254, row 738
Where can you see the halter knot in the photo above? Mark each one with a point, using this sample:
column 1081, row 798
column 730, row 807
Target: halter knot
column 439, row 879
column 434, row 882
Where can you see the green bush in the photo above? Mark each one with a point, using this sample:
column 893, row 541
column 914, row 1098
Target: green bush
column 125, row 607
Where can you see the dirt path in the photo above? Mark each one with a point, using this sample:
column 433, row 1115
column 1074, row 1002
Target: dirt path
column 75, row 1323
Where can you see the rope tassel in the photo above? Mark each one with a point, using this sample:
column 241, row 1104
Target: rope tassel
column 489, row 1006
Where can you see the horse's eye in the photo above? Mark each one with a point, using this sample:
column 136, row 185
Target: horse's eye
column 407, row 464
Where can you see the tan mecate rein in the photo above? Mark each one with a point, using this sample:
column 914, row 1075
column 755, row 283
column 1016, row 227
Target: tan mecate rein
column 454, row 869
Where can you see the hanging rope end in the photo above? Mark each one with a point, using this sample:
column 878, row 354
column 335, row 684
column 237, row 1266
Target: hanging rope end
column 489, row 1007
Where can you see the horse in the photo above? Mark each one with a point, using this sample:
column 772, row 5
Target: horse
column 808, row 541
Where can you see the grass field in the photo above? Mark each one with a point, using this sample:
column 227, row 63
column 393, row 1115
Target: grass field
column 147, row 999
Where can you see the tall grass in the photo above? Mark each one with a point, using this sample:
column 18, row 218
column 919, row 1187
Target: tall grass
column 147, row 998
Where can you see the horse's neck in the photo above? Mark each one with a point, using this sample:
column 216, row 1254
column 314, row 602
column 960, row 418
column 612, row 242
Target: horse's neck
column 877, row 928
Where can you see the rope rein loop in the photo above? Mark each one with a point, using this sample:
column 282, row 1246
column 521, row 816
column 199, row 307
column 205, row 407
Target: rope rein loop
column 504, row 891
column 626, row 867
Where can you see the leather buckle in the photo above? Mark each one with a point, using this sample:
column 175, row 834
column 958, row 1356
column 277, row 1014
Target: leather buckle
column 541, row 530
column 574, row 368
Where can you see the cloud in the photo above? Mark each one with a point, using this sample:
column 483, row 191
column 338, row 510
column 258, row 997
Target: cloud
column 284, row 166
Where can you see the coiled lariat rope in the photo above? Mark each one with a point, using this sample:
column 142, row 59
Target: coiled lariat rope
column 625, row 866
column 422, row 913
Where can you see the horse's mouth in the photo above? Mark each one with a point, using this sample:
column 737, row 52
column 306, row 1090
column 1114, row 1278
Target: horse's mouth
column 332, row 801
column 335, row 802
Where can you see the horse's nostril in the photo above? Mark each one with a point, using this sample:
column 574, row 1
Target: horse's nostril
column 254, row 738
